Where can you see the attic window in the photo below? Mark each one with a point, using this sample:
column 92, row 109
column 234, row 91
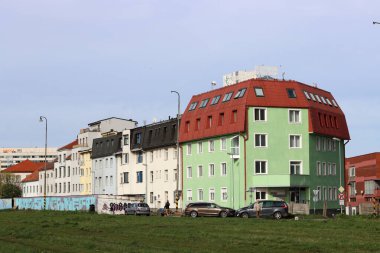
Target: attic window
column 328, row 101
column 335, row 104
column 323, row 100
column 259, row 92
column 227, row 97
column 240, row 93
column 312, row 96
column 193, row 106
column 291, row 93
column 306, row 95
column 319, row 100
column 215, row 100
column 204, row 103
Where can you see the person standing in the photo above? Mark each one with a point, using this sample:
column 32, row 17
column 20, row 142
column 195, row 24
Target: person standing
column 257, row 208
column 167, row 206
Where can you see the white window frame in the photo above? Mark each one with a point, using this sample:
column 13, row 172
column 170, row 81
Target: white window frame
column 221, row 169
column 300, row 141
column 189, row 195
column 209, row 169
column 319, row 168
column 301, row 167
column 209, row 146
column 200, row 169
column 319, row 188
column 223, row 142
column 188, row 169
column 260, row 192
column 265, row 114
column 188, row 149
column 266, row 167
column 199, row 190
column 222, row 191
column 299, row 116
column 211, row 190
column 200, row 147
column 266, row 140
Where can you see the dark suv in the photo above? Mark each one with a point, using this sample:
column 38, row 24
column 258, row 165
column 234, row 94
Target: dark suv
column 208, row 209
column 137, row 209
column 269, row 208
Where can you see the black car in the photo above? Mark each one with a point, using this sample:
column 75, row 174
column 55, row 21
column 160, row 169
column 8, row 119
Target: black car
column 269, row 208
column 208, row 209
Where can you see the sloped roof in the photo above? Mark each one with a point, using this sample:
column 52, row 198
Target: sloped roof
column 31, row 178
column 275, row 95
column 69, row 146
column 26, row 166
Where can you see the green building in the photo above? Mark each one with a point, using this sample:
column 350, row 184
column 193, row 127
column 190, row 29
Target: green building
column 263, row 139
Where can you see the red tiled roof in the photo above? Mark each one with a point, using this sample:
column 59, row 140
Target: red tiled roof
column 68, row 157
column 26, row 166
column 32, row 177
column 69, row 146
column 275, row 95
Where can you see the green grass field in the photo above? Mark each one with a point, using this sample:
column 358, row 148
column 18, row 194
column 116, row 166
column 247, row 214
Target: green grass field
column 47, row 231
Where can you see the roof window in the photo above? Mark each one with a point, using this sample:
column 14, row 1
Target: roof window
column 215, row 100
column 240, row 93
column 335, row 104
column 227, row 97
column 193, row 106
column 328, row 101
column 204, row 103
column 259, row 92
column 312, row 96
column 319, row 100
column 306, row 95
column 291, row 93
column 323, row 100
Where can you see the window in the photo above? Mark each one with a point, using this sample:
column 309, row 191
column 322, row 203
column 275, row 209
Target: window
column 328, row 101
column 211, row 194
column 294, row 116
column 329, row 169
column 193, row 106
column 223, row 169
column 234, row 116
column 198, row 124
column 291, row 93
column 306, row 95
column 111, row 182
column 319, row 169
column 260, row 114
column 335, row 193
column 200, row 194
column 352, row 188
column 312, row 97
column 352, row 172
column 204, row 103
column 215, row 100
column 209, row 121
column 318, row 99
column 235, row 145
column 369, row 187
column 333, row 168
column 166, row 175
column 211, row 170
column 151, row 197
column 200, row 171
column 323, row 100
column 319, row 192
column 318, row 144
column 188, row 149
column 126, row 139
column 187, row 126
column 223, row 144
column 260, row 140
column 189, row 195
column 139, row 175
column 334, row 102
column 211, row 146
column 175, row 174
column 295, row 168
column 138, row 138
column 240, row 93
column 151, row 156
column 330, row 194
column 295, row 141
column 259, row 92
column 200, row 147
column 260, row 195
column 139, row 157
column 221, row 119
column 166, row 154
column 224, row 193
column 260, row 167
column 324, row 169
column 227, row 97
column 151, row 176
column 324, row 193
column 189, row 172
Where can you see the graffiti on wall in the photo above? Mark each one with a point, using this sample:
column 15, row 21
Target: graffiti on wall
column 5, row 204
column 69, row 203
column 112, row 205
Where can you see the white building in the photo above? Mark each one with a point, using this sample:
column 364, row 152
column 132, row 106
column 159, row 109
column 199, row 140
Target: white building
column 12, row 156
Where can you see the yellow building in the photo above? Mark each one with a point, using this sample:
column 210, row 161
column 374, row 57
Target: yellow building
column 86, row 172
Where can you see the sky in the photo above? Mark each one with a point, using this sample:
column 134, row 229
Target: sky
column 76, row 62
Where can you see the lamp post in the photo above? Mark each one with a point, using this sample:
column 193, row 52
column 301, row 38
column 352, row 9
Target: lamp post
column 178, row 121
column 42, row 118
column 340, row 168
column 233, row 179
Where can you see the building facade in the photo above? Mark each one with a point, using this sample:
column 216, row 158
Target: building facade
column 263, row 139
column 12, row 156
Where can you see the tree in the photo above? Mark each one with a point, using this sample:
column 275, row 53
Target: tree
column 10, row 186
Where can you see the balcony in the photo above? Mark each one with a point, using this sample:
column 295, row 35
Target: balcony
column 376, row 193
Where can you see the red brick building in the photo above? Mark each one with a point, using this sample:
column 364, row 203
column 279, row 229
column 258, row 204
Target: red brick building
column 362, row 179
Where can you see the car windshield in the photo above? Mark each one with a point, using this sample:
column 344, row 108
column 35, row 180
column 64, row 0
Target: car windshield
column 212, row 205
column 143, row 205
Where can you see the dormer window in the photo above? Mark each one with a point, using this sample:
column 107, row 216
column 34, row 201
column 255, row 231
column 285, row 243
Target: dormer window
column 193, row 106
column 319, row 100
column 204, row 103
column 323, row 100
column 291, row 93
column 334, row 102
column 240, row 93
column 306, row 95
column 328, row 101
column 227, row 97
column 259, row 92
column 312, row 97
column 215, row 100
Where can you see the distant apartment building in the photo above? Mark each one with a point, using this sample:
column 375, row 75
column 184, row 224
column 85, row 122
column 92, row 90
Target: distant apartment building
column 12, row 156
column 362, row 180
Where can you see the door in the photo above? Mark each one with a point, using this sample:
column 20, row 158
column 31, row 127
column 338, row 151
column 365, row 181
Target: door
column 267, row 208
column 295, row 196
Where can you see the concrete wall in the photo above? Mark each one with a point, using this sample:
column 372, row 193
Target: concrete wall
column 112, row 204
column 57, row 203
column 5, row 204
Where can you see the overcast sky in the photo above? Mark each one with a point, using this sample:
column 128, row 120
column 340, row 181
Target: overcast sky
column 76, row 62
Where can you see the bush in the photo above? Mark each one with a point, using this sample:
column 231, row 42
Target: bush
column 10, row 191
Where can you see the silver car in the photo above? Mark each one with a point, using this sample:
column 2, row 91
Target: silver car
column 138, row 209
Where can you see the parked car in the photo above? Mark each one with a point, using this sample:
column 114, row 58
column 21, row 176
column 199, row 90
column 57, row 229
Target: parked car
column 137, row 209
column 208, row 209
column 269, row 208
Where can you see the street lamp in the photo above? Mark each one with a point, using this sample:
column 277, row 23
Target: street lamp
column 42, row 118
column 178, row 122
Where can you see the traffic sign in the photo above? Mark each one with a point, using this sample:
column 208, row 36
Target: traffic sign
column 315, row 198
column 341, row 189
column 341, row 196
column 315, row 192
column 341, row 202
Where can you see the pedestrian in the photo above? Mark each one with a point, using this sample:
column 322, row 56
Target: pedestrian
column 257, row 208
column 167, row 205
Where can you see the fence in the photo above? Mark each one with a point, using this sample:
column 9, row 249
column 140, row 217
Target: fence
column 5, row 204
column 69, row 203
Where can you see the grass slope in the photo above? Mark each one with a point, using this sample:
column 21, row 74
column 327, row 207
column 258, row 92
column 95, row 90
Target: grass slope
column 47, row 231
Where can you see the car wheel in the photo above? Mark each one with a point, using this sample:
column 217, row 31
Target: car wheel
column 194, row 214
column 223, row 214
column 244, row 215
column 277, row 215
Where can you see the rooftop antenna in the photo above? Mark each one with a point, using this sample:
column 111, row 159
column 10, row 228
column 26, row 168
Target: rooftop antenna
column 213, row 84
column 283, row 76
